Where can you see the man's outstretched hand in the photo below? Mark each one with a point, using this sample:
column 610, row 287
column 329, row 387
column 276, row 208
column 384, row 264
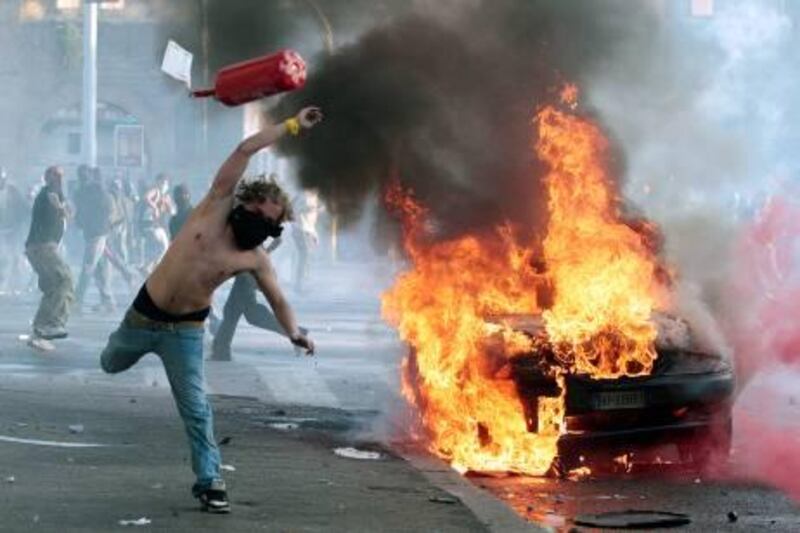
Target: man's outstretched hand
column 309, row 117
column 301, row 341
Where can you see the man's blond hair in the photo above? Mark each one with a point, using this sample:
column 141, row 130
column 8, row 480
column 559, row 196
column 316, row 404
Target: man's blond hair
column 262, row 188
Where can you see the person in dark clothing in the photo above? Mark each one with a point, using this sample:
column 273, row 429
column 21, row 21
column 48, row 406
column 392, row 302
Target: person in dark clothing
column 183, row 204
column 94, row 213
column 50, row 213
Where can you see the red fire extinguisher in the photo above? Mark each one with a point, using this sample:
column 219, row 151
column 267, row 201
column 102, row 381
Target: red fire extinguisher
column 257, row 78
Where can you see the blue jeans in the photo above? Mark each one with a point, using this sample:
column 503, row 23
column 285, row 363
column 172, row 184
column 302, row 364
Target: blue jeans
column 180, row 347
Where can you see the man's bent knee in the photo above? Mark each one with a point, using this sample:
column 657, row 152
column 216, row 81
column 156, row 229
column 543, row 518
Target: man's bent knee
column 113, row 362
column 107, row 364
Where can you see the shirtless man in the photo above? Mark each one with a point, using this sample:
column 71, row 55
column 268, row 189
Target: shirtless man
column 221, row 238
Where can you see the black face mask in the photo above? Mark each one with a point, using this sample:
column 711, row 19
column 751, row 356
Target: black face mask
column 250, row 229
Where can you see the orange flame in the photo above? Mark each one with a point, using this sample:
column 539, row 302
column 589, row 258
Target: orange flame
column 603, row 276
column 469, row 408
column 603, row 273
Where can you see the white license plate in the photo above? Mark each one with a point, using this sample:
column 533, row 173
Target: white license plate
column 607, row 401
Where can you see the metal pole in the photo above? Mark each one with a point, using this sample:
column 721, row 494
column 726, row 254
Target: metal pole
column 89, row 133
column 327, row 40
column 206, row 45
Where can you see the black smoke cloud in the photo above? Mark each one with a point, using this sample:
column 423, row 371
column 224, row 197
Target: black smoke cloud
column 444, row 104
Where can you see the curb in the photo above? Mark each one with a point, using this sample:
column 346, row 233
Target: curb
column 489, row 510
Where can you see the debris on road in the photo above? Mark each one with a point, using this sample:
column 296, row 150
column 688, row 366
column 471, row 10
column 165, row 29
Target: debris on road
column 449, row 500
column 228, row 468
column 353, row 453
column 225, row 441
column 633, row 519
column 284, row 426
column 10, row 479
column 76, row 428
column 733, row 516
column 138, row 522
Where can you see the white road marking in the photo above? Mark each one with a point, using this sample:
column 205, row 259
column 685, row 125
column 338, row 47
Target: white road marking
column 54, row 443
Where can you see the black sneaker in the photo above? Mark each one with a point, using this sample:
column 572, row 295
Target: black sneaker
column 214, row 499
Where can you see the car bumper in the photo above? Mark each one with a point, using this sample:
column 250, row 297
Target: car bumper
column 650, row 411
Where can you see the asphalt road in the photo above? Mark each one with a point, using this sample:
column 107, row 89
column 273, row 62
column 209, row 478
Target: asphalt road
column 303, row 407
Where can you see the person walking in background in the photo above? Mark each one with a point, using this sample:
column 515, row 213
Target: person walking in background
column 115, row 248
column 75, row 191
column 156, row 208
column 14, row 213
column 182, row 199
column 121, row 220
column 48, row 223
column 142, row 223
column 94, row 211
column 307, row 208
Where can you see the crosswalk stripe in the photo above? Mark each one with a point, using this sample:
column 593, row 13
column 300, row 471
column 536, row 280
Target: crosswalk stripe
column 299, row 384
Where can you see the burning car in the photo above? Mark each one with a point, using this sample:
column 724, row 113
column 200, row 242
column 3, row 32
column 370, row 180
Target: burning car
column 686, row 400
column 527, row 353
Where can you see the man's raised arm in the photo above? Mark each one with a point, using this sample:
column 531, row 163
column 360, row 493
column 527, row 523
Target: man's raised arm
column 232, row 169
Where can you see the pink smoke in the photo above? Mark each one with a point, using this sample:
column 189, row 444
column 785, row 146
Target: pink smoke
column 763, row 324
column 764, row 300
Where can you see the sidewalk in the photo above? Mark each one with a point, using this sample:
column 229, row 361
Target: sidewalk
column 285, row 480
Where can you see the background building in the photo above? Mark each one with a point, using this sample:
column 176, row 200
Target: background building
column 146, row 121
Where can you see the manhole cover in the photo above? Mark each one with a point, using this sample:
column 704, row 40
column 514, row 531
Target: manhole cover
column 633, row 519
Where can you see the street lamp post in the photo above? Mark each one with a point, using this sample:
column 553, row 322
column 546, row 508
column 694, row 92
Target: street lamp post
column 89, row 101
column 327, row 40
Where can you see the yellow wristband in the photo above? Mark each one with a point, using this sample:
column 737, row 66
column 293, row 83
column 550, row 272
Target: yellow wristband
column 293, row 126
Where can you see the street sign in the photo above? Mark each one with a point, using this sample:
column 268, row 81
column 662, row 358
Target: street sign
column 129, row 146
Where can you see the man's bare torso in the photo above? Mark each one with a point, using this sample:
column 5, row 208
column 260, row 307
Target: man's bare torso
column 200, row 259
